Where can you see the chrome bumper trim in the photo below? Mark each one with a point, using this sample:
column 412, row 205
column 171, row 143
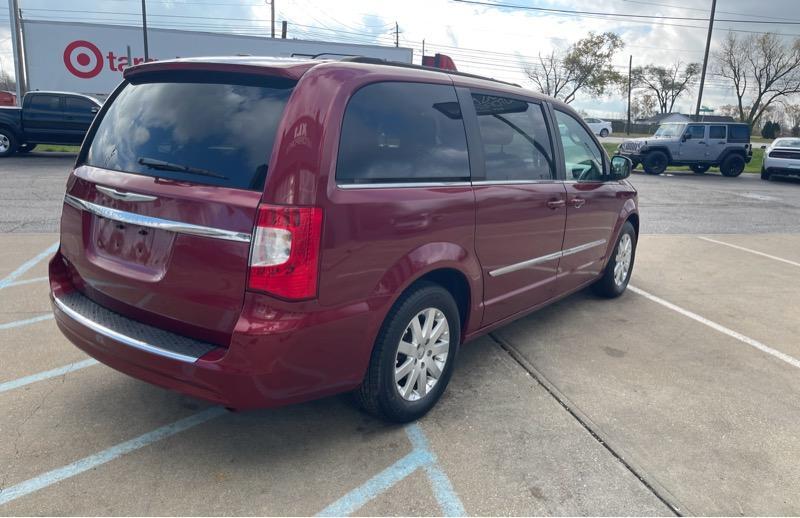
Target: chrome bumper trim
column 151, row 222
column 119, row 337
column 543, row 259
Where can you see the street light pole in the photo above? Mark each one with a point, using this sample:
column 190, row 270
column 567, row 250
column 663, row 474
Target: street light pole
column 144, row 32
column 19, row 73
column 705, row 58
column 272, row 17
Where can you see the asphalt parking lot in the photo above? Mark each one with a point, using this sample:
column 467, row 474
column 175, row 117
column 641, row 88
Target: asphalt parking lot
column 680, row 397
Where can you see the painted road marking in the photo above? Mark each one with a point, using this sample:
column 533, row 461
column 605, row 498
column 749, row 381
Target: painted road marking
column 26, row 281
column 756, row 252
column 420, row 457
column 794, row 362
column 25, row 322
column 92, row 461
column 33, row 378
column 27, row 265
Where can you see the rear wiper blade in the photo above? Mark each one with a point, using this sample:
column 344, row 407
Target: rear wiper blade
column 169, row 166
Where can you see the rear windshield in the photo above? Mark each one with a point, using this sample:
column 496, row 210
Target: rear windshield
column 211, row 129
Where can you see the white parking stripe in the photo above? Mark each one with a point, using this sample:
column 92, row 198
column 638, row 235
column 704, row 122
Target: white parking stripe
column 24, row 267
column 791, row 360
column 26, row 281
column 92, row 461
column 756, row 252
column 33, row 378
column 25, row 322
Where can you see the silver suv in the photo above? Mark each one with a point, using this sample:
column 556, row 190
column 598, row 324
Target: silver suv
column 697, row 145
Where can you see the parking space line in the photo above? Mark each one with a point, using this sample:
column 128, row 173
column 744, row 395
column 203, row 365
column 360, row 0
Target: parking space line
column 41, row 376
column 92, row 461
column 27, row 265
column 794, row 362
column 25, row 322
column 26, row 281
column 420, row 457
column 756, row 252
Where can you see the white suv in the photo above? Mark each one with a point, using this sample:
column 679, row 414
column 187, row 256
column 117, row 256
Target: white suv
column 781, row 158
column 598, row 127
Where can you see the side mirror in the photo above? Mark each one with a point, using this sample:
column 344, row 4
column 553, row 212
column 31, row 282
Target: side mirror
column 763, row 146
column 621, row 167
column 686, row 136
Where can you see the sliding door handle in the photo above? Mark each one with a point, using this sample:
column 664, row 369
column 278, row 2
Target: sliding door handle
column 555, row 204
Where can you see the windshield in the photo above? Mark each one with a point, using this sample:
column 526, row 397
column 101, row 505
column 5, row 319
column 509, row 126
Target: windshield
column 670, row 130
column 787, row 142
column 214, row 129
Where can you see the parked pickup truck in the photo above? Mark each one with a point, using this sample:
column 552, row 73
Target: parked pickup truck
column 45, row 118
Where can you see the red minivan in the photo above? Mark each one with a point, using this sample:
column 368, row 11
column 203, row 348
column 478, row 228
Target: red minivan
column 257, row 232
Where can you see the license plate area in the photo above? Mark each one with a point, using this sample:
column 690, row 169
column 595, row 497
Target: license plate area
column 142, row 250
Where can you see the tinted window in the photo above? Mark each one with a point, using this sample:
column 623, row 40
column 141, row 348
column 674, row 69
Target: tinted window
column 583, row 159
column 78, row 105
column 400, row 132
column 210, row 129
column 739, row 132
column 696, row 132
column 45, row 102
column 516, row 145
column 717, row 132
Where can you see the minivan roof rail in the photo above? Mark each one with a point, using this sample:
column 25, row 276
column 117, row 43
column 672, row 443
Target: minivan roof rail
column 378, row 61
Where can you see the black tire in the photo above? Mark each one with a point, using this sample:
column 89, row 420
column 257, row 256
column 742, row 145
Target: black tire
column 8, row 143
column 604, row 132
column 655, row 162
column 26, row 148
column 634, row 164
column 607, row 286
column 379, row 394
column 699, row 168
column 732, row 166
column 764, row 174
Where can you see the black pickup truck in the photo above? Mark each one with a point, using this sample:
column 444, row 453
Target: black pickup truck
column 45, row 118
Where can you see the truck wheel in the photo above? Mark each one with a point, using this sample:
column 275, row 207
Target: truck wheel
column 655, row 162
column 618, row 270
column 634, row 164
column 413, row 357
column 8, row 143
column 732, row 166
column 699, row 168
column 26, row 148
column 604, row 132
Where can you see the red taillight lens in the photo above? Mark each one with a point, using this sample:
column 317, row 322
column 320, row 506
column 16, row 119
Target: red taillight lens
column 284, row 253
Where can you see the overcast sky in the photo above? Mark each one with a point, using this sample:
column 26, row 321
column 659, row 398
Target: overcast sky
column 485, row 40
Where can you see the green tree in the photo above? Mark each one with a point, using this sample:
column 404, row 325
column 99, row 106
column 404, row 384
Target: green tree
column 586, row 66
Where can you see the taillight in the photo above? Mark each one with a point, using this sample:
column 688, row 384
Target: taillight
column 284, row 252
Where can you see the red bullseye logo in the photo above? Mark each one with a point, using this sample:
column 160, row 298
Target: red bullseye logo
column 83, row 59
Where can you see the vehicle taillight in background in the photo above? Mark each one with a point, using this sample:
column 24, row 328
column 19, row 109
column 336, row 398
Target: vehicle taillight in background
column 442, row 61
column 284, row 253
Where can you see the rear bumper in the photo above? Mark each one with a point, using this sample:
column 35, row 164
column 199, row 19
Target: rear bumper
column 275, row 357
column 782, row 171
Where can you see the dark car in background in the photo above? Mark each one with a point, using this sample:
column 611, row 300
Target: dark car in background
column 46, row 118
column 257, row 233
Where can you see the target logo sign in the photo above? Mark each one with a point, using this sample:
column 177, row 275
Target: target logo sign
column 83, row 59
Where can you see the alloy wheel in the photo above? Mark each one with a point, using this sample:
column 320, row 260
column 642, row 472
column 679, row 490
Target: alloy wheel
column 623, row 259
column 422, row 354
column 5, row 143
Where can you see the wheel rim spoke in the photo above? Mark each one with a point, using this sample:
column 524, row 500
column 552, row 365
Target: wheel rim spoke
column 402, row 371
column 422, row 354
column 422, row 382
column 416, row 331
column 406, row 348
column 433, row 369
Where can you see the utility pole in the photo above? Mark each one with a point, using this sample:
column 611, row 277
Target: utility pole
column 705, row 58
column 283, row 29
column 630, row 69
column 19, row 72
column 272, row 15
column 396, row 35
column 144, row 33
column 423, row 50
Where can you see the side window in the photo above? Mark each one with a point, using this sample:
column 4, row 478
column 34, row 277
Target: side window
column 45, row 102
column 716, row 132
column 696, row 131
column 78, row 105
column 403, row 132
column 739, row 133
column 516, row 145
column 583, row 160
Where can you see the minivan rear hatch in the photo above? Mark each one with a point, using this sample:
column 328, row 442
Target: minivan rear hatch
column 158, row 213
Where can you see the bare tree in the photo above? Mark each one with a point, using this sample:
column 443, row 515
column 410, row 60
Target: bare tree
column 762, row 68
column 585, row 66
column 793, row 115
column 667, row 84
column 643, row 106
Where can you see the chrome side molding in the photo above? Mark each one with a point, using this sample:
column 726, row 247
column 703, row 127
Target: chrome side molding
column 151, row 222
column 543, row 259
column 124, row 196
